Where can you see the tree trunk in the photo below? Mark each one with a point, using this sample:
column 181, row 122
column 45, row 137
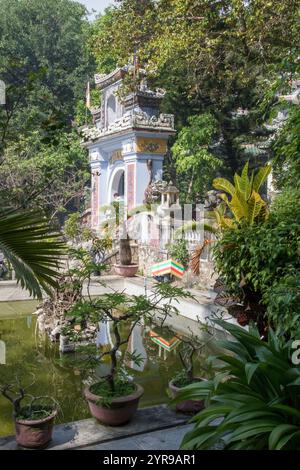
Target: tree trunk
column 125, row 251
column 113, row 357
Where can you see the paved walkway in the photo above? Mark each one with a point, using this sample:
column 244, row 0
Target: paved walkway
column 167, row 439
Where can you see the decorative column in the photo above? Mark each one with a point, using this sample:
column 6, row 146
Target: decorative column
column 130, row 184
column 143, row 160
column 95, row 196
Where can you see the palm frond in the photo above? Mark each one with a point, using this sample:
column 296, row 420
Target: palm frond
column 34, row 250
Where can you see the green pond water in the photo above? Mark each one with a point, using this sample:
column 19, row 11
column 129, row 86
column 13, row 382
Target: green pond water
column 28, row 351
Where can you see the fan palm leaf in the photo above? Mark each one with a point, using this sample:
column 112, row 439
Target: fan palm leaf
column 33, row 249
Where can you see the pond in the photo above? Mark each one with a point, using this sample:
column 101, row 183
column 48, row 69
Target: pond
column 27, row 351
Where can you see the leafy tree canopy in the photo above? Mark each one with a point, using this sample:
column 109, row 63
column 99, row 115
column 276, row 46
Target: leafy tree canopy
column 49, row 176
column 193, row 156
column 44, row 62
column 226, row 57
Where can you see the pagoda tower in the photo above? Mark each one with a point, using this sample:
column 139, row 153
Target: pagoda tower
column 127, row 143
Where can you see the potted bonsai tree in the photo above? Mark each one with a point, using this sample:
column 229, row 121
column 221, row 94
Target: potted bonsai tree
column 117, row 225
column 113, row 398
column 188, row 348
column 125, row 267
column 33, row 416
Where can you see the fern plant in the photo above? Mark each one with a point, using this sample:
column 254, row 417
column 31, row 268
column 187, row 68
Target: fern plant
column 253, row 402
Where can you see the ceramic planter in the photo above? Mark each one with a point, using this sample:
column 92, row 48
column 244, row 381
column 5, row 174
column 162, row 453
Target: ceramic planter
column 35, row 434
column 120, row 410
column 126, row 270
column 186, row 406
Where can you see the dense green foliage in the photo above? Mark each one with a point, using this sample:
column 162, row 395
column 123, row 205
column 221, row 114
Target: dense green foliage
column 256, row 394
column 228, row 58
column 179, row 252
column 51, row 176
column 287, row 151
column 194, row 161
column 264, row 258
column 45, row 64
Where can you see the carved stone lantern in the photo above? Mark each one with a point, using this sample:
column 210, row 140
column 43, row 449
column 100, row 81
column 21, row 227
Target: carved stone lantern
column 169, row 211
column 169, row 200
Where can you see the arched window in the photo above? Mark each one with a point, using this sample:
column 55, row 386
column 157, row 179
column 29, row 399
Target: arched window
column 117, row 185
column 121, row 187
column 111, row 109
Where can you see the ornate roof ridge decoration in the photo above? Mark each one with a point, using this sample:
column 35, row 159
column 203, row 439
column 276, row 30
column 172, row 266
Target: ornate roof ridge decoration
column 135, row 120
column 103, row 80
column 158, row 93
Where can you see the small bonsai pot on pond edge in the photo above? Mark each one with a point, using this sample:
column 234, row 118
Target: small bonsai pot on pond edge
column 188, row 347
column 185, row 406
column 33, row 421
column 35, row 434
column 119, row 411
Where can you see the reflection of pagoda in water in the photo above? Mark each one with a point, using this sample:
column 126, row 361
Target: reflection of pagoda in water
column 103, row 338
column 136, row 347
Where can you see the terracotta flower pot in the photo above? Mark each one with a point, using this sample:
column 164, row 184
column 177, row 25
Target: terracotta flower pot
column 35, row 434
column 186, row 406
column 126, row 270
column 120, row 410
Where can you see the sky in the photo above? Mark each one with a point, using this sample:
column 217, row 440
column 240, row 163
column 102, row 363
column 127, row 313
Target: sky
column 98, row 5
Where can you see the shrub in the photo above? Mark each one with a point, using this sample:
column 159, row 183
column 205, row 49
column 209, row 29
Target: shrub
column 179, row 252
column 261, row 264
column 255, row 396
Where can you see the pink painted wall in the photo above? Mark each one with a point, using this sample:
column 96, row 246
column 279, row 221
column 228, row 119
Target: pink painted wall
column 131, row 171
